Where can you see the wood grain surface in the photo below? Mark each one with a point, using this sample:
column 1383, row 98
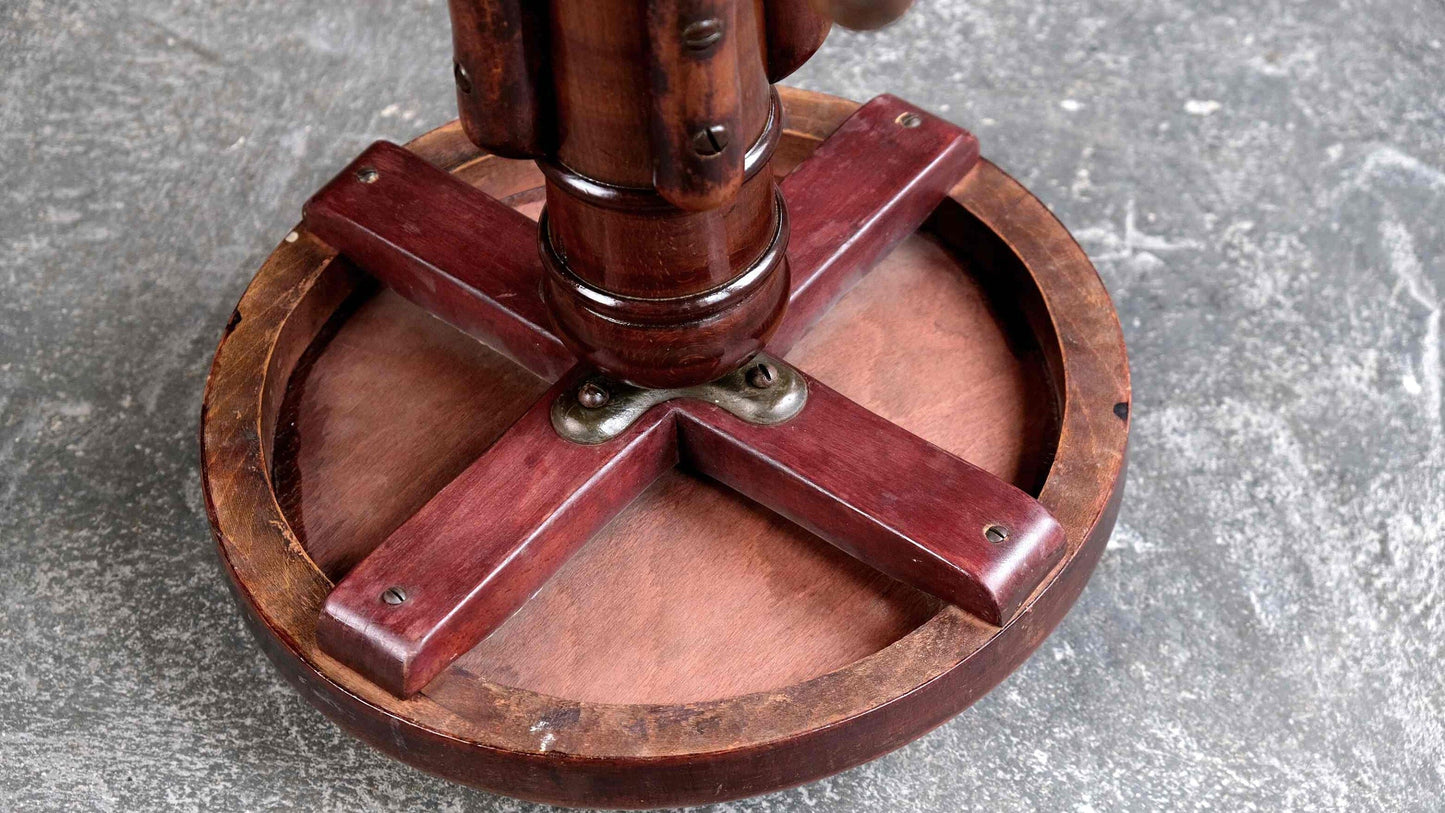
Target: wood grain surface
column 904, row 506
column 673, row 539
column 471, row 556
column 849, row 665
column 462, row 256
column 474, row 554
column 504, row 84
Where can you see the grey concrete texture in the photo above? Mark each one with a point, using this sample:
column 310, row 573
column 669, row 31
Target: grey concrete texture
column 1262, row 187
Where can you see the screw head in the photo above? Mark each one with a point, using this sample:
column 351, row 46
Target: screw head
column 702, row 34
column 393, row 595
column 710, row 140
column 995, row 534
column 367, row 175
column 909, row 120
column 762, row 376
column 464, row 82
column 592, row 396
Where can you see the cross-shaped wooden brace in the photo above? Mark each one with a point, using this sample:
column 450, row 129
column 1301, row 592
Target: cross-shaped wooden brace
column 474, row 554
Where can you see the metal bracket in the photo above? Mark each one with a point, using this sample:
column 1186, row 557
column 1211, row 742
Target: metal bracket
column 764, row 391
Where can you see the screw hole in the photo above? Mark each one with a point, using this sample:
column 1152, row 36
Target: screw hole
column 995, row 534
column 464, row 82
column 909, row 120
column 393, row 595
column 367, row 175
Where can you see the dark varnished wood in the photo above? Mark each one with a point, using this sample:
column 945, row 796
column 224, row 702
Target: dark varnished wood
column 665, row 101
column 657, row 120
column 598, row 229
column 908, row 508
column 698, row 141
column 663, row 296
column 894, row 176
column 634, row 755
column 678, row 340
column 503, row 84
column 478, row 550
column 472, row 248
column 599, row 68
column 899, row 503
column 602, row 60
column 862, row 15
column 710, row 594
column 641, row 211
column 438, row 242
column 794, row 31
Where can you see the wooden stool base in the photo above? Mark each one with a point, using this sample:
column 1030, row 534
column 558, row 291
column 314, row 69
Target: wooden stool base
column 700, row 648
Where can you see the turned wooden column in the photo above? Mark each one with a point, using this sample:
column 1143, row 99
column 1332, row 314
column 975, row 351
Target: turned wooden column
column 664, row 235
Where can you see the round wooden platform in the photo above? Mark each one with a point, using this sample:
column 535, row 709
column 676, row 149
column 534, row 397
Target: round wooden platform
column 699, row 648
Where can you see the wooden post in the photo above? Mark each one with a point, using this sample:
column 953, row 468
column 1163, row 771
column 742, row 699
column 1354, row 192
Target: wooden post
column 665, row 234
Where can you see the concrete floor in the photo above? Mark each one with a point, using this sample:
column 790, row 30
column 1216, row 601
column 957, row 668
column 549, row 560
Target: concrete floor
column 1262, row 186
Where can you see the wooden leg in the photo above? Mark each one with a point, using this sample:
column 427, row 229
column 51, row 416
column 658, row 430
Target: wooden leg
column 457, row 252
column 871, row 184
column 482, row 546
column 887, row 497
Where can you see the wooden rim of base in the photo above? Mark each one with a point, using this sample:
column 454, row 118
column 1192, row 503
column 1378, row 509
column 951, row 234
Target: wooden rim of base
column 640, row 755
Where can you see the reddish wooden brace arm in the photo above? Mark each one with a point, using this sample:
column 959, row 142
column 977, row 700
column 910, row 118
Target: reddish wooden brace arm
column 899, row 503
column 479, row 549
column 485, row 543
column 454, row 251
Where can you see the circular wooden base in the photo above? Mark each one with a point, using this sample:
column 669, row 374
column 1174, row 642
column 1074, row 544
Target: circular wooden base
column 699, row 648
